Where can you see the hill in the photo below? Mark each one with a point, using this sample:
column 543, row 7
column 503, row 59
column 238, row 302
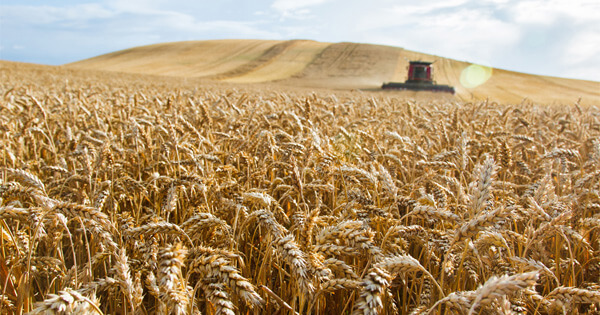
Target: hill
column 313, row 64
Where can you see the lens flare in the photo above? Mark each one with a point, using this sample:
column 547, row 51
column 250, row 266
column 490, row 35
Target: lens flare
column 475, row 75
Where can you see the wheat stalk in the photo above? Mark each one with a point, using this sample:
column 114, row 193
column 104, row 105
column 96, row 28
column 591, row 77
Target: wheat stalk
column 372, row 287
column 495, row 288
column 309, row 191
column 26, row 177
column 65, row 302
column 174, row 292
column 214, row 266
column 219, row 298
column 574, row 295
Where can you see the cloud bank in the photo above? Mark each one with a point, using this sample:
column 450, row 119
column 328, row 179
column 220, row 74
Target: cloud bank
column 548, row 37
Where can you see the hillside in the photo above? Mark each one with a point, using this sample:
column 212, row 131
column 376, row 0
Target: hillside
column 313, row 64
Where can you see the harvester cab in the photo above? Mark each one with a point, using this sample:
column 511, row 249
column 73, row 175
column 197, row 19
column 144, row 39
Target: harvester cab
column 419, row 71
column 420, row 78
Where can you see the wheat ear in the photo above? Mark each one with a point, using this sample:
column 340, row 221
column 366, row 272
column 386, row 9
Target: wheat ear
column 495, row 288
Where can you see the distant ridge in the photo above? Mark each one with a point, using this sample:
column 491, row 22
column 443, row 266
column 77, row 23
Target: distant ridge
column 307, row 63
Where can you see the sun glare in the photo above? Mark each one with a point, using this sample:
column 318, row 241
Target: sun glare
column 475, row 75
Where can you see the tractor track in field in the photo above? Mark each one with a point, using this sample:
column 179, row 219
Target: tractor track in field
column 268, row 56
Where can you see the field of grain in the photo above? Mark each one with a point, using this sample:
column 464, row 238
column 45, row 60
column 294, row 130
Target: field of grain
column 341, row 66
column 125, row 194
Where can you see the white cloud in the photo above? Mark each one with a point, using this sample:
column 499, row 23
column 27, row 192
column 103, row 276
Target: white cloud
column 454, row 31
column 535, row 36
column 137, row 6
column 39, row 15
column 136, row 15
column 408, row 15
column 290, row 5
column 296, row 10
column 549, row 11
column 93, row 29
column 555, row 37
column 585, row 46
column 496, row 2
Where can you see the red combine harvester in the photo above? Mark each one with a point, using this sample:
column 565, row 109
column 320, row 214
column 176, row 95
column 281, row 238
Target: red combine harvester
column 419, row 79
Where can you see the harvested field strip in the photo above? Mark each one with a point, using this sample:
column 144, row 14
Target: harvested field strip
column 288, row 63
column 184, row 59
column 265, row 58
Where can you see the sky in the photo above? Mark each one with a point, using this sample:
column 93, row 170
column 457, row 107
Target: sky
column 547, row 37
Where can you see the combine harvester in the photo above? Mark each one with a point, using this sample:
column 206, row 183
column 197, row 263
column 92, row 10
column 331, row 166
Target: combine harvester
column 419, row 79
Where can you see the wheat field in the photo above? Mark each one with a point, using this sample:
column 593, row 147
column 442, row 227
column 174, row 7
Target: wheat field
column 132, row 194
column 346, row 65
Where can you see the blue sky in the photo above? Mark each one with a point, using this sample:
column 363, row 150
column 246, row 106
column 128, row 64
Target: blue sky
column 548, row 37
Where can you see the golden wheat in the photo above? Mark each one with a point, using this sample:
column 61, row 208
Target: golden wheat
column 127, row 194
